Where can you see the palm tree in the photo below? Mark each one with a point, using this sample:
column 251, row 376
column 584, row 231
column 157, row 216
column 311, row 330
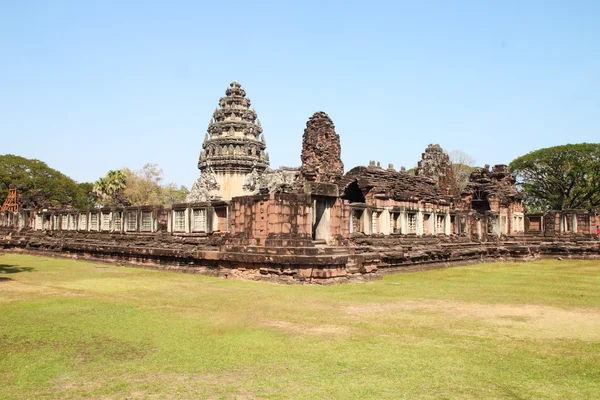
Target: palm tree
column 109, row 187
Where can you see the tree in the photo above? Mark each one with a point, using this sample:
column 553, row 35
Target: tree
column 144, row 187
column 462, row 166
column 560, row 177
column 109, row 189
column 39, row 185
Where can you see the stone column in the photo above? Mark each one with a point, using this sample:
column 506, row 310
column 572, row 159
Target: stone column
column 447, row 227
column 420, row 222
column 384, row 222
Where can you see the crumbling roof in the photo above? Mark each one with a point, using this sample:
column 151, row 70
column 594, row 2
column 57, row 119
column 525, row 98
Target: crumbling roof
column 495, row 182
column 397, row 185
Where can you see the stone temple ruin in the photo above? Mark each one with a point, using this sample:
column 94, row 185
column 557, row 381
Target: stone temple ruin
column 312, row 224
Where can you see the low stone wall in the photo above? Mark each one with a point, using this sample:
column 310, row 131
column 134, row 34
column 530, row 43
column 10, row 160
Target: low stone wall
column 291, row 259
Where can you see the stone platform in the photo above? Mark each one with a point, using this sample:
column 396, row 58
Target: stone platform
column 292, row 260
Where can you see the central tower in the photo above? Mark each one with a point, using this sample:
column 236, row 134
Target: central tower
column 234, row 145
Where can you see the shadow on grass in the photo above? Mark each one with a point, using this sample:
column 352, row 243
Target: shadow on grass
column 12, row 269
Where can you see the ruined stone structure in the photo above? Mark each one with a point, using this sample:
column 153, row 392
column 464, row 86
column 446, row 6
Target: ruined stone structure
column 321, row 151
column 234, row 146
column 312, row 224
column 435, row 164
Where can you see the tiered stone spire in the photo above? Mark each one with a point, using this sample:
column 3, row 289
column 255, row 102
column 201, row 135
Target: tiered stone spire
column 234, row 140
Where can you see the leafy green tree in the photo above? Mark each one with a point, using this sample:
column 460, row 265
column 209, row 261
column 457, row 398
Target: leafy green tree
column 109, row 189
column 560, row 177
column 145, row 187
column 40, row 185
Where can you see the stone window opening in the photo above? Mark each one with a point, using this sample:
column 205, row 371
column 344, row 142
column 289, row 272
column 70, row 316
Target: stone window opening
column 179, row 220
column 94, row 222
column 72, row 222
column 412, row 223
column 353, row 194
column 38, row 222
column 131, row 221
column 199, row 220
column 146, row 221
column 55, row 222
column 426, row 222
column 503, row 227
column 82, row 222
column 356, row 218
column 440, row 224
column 464, row 226
column 105, row 221
column 117, row 220
column 374, row 222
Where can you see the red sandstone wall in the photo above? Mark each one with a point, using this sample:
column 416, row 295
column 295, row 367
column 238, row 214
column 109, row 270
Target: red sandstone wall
column 280, row 213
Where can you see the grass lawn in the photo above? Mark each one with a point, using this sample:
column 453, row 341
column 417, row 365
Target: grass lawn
column 72, row 329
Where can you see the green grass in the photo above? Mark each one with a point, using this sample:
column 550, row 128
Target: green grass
column 72, row 329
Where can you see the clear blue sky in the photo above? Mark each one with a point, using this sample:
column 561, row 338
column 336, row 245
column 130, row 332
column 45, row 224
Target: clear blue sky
column 89, row 86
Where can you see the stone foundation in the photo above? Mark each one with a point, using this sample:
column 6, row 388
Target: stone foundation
column 289, row 260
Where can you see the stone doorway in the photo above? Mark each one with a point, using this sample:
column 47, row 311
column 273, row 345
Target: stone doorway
column 321, row 228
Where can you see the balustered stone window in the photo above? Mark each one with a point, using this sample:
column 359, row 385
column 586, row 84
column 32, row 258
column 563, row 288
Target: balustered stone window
column 83, row 219
column 117, row 220
column 94, row 222
column 199, row 220
column 179, row 220
column 131, row 221
column 72, row 222
column 374, row 217
column 105, row 221
column 412, row 223
column 38, row 221
column 439, row 224
column 146, row 221
column 64, row 222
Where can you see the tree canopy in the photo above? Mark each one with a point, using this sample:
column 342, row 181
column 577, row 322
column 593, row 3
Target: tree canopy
column 109, row 189
column 137, row 188
column 462, row 166
column 39, row 185
column 560, row 177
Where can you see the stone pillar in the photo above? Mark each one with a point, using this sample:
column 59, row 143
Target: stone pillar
column 384, row 222
column 447, row 227
column 403, row 222
column 420, row 222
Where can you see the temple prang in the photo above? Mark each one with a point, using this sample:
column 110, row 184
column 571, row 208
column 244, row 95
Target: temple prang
column 234, row 146
column 310, row 224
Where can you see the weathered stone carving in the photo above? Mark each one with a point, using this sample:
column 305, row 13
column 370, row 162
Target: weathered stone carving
column 204, row 188
column 271, row 181
column 321, row 150
column 435, row 164
column 496, row 186
column 397, row 185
